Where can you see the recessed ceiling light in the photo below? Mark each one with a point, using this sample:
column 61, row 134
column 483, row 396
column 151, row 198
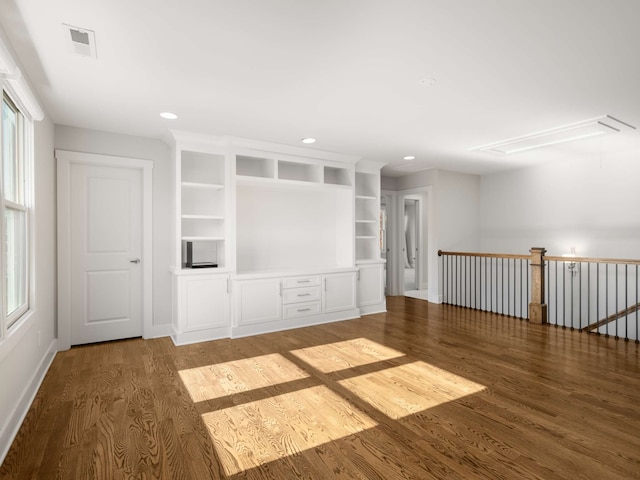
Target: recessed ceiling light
column 427, row 81
column 409, row 157
column 169, row 115
column 308, row 140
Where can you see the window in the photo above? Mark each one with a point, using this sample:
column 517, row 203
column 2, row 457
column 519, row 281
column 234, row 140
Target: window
column 15, row 238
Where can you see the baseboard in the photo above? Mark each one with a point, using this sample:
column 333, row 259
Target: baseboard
column 371, row 309
column 158, row 331
column 292, row 323
column 187, row 338
column 11, row 427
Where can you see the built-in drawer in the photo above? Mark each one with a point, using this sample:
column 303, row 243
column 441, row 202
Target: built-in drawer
column 301, row 309
column 297, row 282
column 297, row 295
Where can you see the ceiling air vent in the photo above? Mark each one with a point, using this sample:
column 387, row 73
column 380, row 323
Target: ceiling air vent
column 80, row 41
column 603, row 125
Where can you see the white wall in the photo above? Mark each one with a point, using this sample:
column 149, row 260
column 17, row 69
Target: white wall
column 26, row 354
column 458, row 211
column 92, row 141
column 291, row 228
column 591, row 204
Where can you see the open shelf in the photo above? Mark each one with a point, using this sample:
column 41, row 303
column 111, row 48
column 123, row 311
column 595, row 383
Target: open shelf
column 204, row 217
column 202, row 202
column 301, row 172
column 255, row 167
column 202, row 239
column 337, row 176
column 367, row 185
column 367, row 247
column 212, row 228
column 203, row 169
column 204, row 249
column 366, row 229
column 210, row 186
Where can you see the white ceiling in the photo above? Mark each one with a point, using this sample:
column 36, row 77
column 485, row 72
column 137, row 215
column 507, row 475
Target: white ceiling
column 346, row 72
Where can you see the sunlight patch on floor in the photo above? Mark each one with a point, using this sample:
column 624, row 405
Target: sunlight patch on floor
column 253, row 434
column 408, row 389
column 338, row 356
column 223, row 379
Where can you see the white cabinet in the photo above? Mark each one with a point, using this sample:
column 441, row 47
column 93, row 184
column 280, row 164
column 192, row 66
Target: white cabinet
column 301, row 310
column 304, row 294
column 371, row 287
column 258, row 301
column 202, row 307
column 278, row 303
column 339, row 292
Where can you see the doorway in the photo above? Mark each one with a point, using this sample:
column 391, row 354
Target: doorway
column 104, row 248
column 410, row 249
column 411, row 252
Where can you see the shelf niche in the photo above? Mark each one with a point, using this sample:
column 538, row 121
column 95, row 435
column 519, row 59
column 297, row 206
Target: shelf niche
column 255, row 167
column 302, row 172
column 204, row 250
column 338, row 176
column 202, row 169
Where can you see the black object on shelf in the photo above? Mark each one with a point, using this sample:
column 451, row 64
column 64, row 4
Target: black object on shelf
column 203, row 265
column 191, row 264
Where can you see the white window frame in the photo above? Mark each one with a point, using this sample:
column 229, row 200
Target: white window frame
column 10, row 323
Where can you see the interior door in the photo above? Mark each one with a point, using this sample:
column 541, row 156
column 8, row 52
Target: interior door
column 106, row 248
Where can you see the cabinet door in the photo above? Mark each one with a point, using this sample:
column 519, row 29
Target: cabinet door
column 339, row 292
column 203, row 302
column 370, row 285
column 259, row 301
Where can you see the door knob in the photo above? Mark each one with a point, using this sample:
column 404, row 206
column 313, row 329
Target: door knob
column 134, row 260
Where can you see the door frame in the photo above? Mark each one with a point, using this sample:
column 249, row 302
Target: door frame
column 65, row 159
column 419, row 240
column 395, row 263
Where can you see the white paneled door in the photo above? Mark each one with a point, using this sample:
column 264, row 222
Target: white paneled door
column 105, row 227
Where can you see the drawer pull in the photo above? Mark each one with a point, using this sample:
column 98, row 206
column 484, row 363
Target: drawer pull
column 304, row 294
column 304, row 281
column 304, row 309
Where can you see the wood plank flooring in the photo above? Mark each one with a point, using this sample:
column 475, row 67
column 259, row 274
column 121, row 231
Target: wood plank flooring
column 422, row 392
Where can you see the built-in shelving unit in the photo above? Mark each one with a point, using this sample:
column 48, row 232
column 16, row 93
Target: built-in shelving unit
column 201, row 196
column 367, row 238
column 367, row 197
column 268, row 215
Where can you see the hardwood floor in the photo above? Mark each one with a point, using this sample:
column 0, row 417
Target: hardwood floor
column 424, row 391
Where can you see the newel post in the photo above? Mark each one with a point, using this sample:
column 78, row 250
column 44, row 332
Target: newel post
column 537, row 307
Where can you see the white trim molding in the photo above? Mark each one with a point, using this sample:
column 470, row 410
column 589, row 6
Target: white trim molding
column 9, row 430
column 65, row 159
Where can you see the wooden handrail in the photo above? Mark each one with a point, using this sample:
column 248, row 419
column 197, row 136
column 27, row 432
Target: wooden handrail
column 591, row 260
column 485, row 255
column 613, row 317
column 550, row 258
column 536, row 264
